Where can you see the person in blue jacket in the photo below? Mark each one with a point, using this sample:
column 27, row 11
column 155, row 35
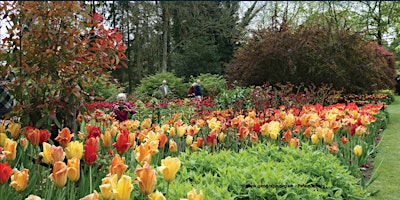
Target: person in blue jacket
column 197, row 90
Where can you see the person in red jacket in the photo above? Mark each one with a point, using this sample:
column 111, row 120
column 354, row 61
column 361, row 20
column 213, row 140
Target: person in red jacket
column 122, row 109
column 191, row 91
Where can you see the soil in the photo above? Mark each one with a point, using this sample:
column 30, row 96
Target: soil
column 368, row 170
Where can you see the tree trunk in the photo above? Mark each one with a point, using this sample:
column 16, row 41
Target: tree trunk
column 165, row 16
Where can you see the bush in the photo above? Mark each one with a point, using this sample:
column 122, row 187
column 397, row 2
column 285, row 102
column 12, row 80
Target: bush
column 150, row 85
column 314, row 54
column 212, row 84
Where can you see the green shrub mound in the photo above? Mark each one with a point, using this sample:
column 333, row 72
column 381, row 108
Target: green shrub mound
column 265, row 171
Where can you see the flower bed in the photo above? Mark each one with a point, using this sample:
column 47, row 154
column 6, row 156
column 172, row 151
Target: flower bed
column 140, row 158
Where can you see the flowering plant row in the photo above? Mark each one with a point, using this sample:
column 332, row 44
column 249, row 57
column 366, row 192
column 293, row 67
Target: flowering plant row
column 115, row 160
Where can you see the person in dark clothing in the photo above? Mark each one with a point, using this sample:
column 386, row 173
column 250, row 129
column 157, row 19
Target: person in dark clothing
column 191, row 91
column 121, row 109
column 197, row 90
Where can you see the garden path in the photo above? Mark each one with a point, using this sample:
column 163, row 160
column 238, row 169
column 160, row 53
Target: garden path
column 387, row 160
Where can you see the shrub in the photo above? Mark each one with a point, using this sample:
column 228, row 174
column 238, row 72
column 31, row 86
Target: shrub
column 150, row 85
column 212, row 84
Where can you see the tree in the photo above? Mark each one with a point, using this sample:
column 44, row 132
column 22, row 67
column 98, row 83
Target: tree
column 312, row 54
column 57, row 50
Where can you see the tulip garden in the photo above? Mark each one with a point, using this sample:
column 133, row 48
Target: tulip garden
column 185, row 149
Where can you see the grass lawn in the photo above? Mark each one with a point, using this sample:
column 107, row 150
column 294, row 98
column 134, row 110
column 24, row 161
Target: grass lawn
column 388, row 157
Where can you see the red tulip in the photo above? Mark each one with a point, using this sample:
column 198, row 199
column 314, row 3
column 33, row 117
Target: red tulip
column 93, row 131
column 90, row 154
column 5, row 172
column 122, row 144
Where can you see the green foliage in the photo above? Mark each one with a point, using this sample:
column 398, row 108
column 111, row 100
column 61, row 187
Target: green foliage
column 211, row 84
column 236, row 98
column 150, row 85
column 102, row 89
column 265, row 171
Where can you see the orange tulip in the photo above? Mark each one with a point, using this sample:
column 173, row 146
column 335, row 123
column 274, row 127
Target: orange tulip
column 124, row 188
column 118, row 166
column 10, row 149
column 73, row 171
column 92, row 196
column 23, row 142
column 74, row 149
column 146, row 179
column 14, row 129
column 19, row 180
column 59, row 175
column 169, row 167
column 52, row 154
column 145, row 124
column 143, row 153
column 328, row 136
column 162, row 140
column 172, row 145
column 294, row 142
column 33, row 135
column 64, row 137
column 2, row 128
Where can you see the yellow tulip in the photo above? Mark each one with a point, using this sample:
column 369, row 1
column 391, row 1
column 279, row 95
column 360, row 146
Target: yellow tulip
column 124, row 188
column 3, row 137
column 73, row 171
column 189, row 139
column 143, row 153
column 172, row 131
column 73, row 149
column 108, row 184
column 59, row 175
column 107, row 139
column 169, row 167
column 192, row 195
column 314, row 139
column 14, row 129
column 146, row 179
column 118, row 166
column 264, row 130
column 358, row 150
column 156, row 196
column 19, row 180
column 181, row 130
column 221, row 137
column 10, row 149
